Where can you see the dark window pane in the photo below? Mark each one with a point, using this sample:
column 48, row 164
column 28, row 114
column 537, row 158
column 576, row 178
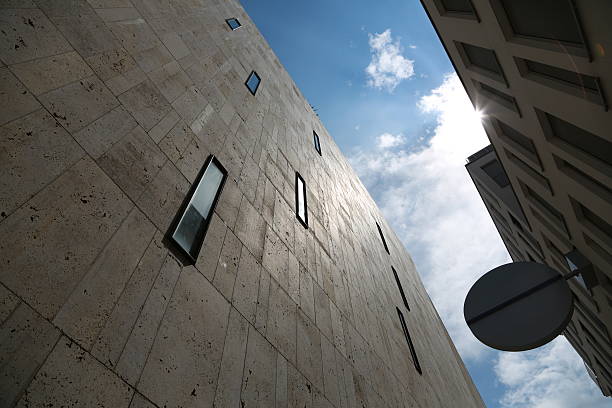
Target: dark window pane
column 500, row 96
column 401, row 289
column 415, row 359
column 550, row 210
column 191, row 228
column 517, row 137
column 253, row 82
column 547, row 19
column 233, row 23
column 597, row 221
column 300, row 200
column 581, row 139
column 482, row 58
column 462, row 6
column 382, row 237
column 317, row 143
column 582, row 81
column 496, row 172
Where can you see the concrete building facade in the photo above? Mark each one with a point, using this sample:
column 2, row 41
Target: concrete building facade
column 540, row 73
column 110, row 109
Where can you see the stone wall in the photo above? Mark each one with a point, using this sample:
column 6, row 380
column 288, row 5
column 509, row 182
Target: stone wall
column 109, row 110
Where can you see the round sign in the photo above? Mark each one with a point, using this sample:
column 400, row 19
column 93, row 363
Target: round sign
column 518, row 306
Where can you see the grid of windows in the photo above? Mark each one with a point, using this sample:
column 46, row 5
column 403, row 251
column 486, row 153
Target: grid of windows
column 252, row 82
column 317, row 142
column 415, row 359
column 190, row 229
column 233, row 23
column 301, row 210
column 382, row 238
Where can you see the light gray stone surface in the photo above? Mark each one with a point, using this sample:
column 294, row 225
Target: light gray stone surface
column 109, row 110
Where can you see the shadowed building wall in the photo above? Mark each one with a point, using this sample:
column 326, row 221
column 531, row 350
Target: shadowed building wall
column 109, row 111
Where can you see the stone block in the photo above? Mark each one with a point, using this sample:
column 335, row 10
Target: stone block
column 190, row 104
column 15, row 99
column 45, row 74
column 331, row 378
column 34, row 151
column 26, row 339
column 79, row 103
column 281, row 382
column 163, row 196
column 246, row 287
column 309, row 350
column 89, row 306
column 111, row 63
column 263, row 297
column 71, row 377
column 211, row 248
column 290, row 278
column 176, row 141
column 86, row 32
column 233, row 155
column 100, row 135
column 175, row 45
column 53, row 239
column 283, row 221
column 306, row 293
column 8, row 303
column 228, row 205
column 133, row 162
column 164, row 126
column 136, row 350
column 275, row 255
column 112, row 338
column 322, row 311
column 281, row 327
column 232, row 364
column 191, row 162
column 114, row 14
column 29, row 35
column 171, row 80
column 299, row 389
column 227, row 267
column 184, row 362
column 146, row 104
column 337, row 328
column 259, row 378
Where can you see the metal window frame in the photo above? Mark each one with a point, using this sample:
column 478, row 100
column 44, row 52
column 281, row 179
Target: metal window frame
column 304, row 222
column 415, row 359
column 187, row 201
column 227, row 20
column 246, row 83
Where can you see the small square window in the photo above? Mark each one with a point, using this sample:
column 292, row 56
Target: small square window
column 301, row 209
column 252, row 82
column 317, row 143
column 190, row 230
column 233, row 23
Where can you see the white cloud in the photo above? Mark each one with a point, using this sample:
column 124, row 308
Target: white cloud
column 552, row 376
column 357, row 127
column 387, row 140
column 434, row 207
column 411, row 46
column 388, row 67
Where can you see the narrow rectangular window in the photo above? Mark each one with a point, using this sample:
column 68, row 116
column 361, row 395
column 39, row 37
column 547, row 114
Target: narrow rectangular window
column 499, row 97
column 401, row 289
column 483, row 59
column 233, row 23
column 189, row 232
column 496, row 172
column 317, row 143
column 382, row 238
column 252, row 82
column 415, row 359
column 301, row 209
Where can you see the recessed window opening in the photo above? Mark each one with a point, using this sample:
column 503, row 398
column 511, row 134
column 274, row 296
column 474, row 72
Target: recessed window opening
column 382, row 238
column 499, row 97
column 401, row 289
column 484, row 59
column 458, row 6
column 496, row 172
column 253, row 82
column 301, row 210
column 415, row 359
column 317, row 143
column 546, row 208
column 233, row 23
column 190, row 230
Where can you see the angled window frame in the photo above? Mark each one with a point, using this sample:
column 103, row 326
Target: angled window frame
column 446, row 12
column 400, row 287
column 192, row 253
column 246, row 83
column 298, row 179
column 580, row 50
column 469, row 64
column 502, row 99
column 317, row 142
column 593, row 94
column 229, row 23
column 382, row 238
column 413, row 354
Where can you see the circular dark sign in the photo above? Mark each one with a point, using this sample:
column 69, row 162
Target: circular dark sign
column 518, row 306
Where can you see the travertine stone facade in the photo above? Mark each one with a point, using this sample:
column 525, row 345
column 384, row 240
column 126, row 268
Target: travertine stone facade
column 109, row 110
column 540, row 72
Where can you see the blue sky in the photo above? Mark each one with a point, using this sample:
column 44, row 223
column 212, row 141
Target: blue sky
column 385, row 90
